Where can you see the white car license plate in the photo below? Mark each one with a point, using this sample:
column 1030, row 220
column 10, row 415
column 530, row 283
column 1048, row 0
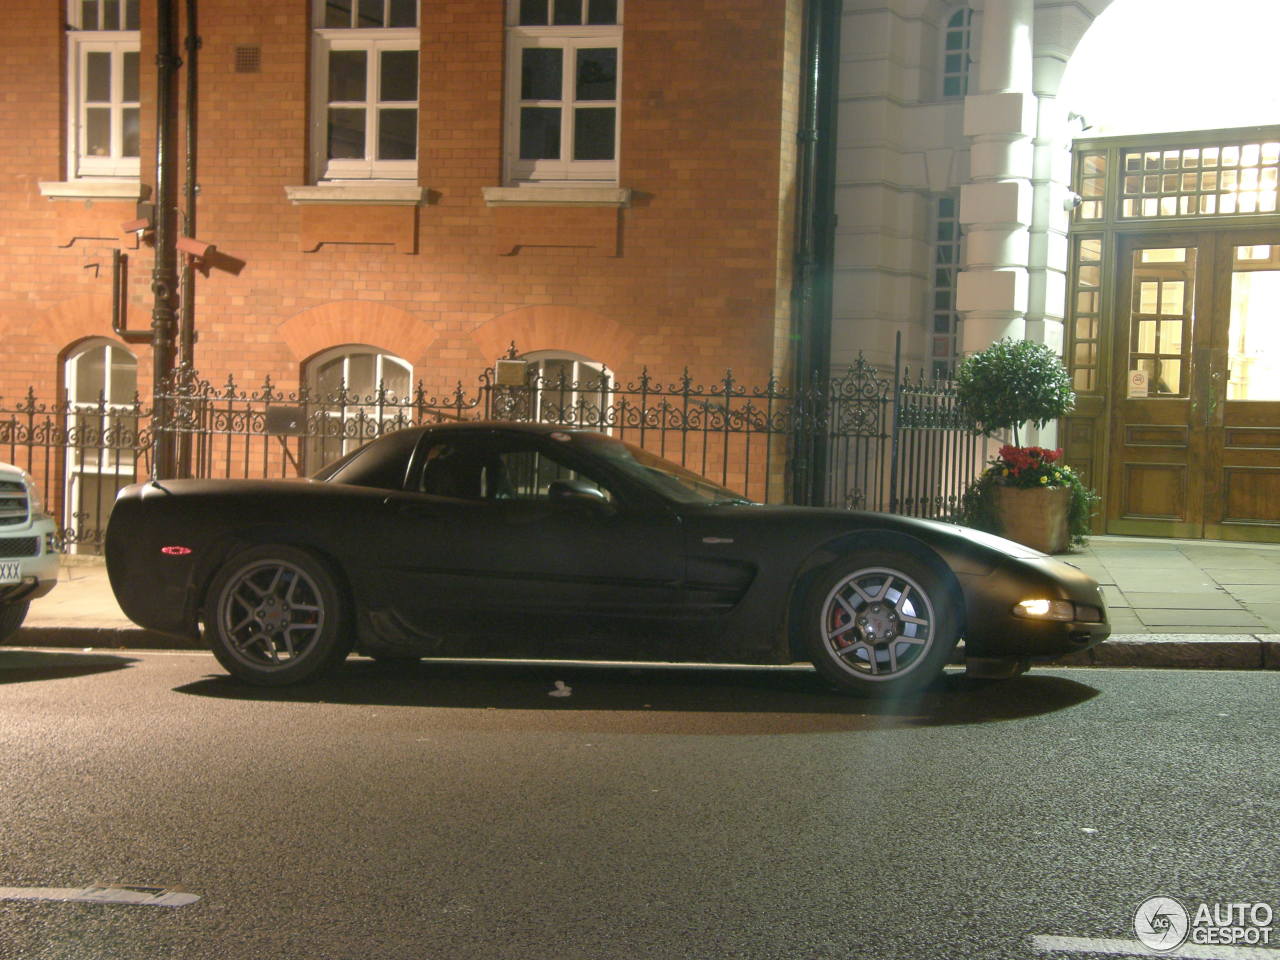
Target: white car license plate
column 10, row 572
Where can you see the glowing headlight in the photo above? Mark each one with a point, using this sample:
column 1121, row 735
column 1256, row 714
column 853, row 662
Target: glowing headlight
column 1042, row 609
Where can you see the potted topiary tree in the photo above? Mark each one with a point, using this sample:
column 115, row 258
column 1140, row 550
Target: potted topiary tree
column 1026, row 493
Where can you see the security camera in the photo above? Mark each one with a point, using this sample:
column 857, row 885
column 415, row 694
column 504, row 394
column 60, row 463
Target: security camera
column 195, row 248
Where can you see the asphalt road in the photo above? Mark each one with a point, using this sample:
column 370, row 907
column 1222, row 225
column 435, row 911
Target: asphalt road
column 460, row 811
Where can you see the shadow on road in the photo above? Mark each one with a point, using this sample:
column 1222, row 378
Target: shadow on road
column 668, row 691
column 23, row 666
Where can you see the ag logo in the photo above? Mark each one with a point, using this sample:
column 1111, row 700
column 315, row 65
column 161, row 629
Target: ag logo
column 1161, row 923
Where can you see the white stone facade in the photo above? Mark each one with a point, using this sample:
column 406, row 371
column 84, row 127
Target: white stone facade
column 1004, row 146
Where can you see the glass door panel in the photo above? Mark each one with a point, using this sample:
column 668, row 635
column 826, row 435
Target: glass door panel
column 1241, row 412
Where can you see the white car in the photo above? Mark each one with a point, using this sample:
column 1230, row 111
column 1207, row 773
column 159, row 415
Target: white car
column 28, row 548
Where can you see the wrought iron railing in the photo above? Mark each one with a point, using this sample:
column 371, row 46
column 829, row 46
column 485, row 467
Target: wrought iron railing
column 80, row 455
column 872, row 439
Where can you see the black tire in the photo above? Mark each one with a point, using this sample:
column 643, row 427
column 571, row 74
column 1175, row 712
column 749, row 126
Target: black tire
column 11, row 617
column 275, row 615
column 881, row 623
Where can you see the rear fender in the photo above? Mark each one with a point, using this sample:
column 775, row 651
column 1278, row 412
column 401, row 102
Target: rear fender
column 216, row 555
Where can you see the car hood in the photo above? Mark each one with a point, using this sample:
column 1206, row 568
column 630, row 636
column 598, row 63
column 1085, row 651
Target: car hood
column 837, row 520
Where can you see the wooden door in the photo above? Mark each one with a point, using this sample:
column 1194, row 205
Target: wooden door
column 1195, row 424
column 1241, row 405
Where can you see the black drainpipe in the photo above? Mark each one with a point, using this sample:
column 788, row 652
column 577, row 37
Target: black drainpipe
column 190, row 187
column 164, row 275
column 187, row 326
column 815, row 245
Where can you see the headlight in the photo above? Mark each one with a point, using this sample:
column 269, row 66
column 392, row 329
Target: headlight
column 1040, row 608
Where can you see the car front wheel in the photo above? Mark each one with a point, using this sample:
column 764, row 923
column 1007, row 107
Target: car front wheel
column 881, row 624
column 276, row 616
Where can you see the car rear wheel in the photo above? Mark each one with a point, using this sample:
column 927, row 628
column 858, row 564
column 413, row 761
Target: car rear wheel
column 277, row 616
column 882, row 623
column 11, row 617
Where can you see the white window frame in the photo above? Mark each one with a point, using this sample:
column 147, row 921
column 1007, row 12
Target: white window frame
column 345, row 354
column 374, row 41
column 581, row 369
column 964, row 28
column 118, row 464
column 944, row 344
column 570, row 39
column 80, row 43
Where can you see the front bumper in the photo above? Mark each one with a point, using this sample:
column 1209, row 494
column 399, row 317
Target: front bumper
column 37, row 563
column 994, row 631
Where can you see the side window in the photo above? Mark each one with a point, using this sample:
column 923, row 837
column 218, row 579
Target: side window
column 103, row 115
column 947, row 257
column 530, row 473
column 365, row 98
column 482, row 468
column 957, row 54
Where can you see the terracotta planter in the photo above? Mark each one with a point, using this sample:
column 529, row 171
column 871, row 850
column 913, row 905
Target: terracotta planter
column 1034, row 516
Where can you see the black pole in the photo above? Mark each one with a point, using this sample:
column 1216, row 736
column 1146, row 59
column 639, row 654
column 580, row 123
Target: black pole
column 190, row 187
column 164, row 277
column 815, row 244
column 187, row 329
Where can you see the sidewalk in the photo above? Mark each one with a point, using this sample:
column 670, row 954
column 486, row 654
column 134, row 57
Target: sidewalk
column 1172, row 603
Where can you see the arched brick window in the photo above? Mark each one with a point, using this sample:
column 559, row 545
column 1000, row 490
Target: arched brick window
column 356, row 392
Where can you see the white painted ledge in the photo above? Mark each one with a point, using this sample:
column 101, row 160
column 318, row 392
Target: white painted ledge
column 94, row 189
column 540, row 196
column 395, row 194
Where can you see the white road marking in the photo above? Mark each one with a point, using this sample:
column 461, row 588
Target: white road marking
column 1132, row 948
column 103, row 893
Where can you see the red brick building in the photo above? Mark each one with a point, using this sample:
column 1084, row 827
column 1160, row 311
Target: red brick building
column 403, row 188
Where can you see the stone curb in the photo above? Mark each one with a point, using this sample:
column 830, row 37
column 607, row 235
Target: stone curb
column 1172, row 650
column 100, row 638
column 1183, row 650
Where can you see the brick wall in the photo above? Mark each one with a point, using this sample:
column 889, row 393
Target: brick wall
column 691, row 274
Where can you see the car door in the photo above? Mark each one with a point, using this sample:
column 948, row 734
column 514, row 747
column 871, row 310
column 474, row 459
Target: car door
column 514, row 536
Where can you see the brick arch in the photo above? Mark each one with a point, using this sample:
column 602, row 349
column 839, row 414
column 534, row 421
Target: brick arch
column 75, row 319
column 352, row 321
column 571, row 329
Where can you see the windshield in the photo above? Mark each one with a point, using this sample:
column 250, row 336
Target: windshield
column 669, row 479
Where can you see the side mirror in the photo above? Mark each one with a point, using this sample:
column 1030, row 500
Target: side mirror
column 578, row 491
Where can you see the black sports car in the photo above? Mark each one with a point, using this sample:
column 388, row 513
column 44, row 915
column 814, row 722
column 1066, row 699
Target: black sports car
column 536, row 541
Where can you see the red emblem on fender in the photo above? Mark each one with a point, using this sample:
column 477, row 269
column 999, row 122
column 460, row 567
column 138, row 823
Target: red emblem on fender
column 175, row 551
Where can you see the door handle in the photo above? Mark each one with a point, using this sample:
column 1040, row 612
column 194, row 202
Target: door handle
column 1212, row 399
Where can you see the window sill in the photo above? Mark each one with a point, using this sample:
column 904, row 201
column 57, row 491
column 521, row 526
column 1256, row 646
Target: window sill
column 549, row 196
column 382, row 193
column 122, row 189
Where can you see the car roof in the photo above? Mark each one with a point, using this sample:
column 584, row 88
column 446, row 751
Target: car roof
column 539, row 429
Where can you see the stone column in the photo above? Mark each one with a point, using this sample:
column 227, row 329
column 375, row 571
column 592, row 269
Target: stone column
column 996, row 204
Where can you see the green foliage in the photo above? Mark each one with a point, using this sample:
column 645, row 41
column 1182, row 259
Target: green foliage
column 1013, row 382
